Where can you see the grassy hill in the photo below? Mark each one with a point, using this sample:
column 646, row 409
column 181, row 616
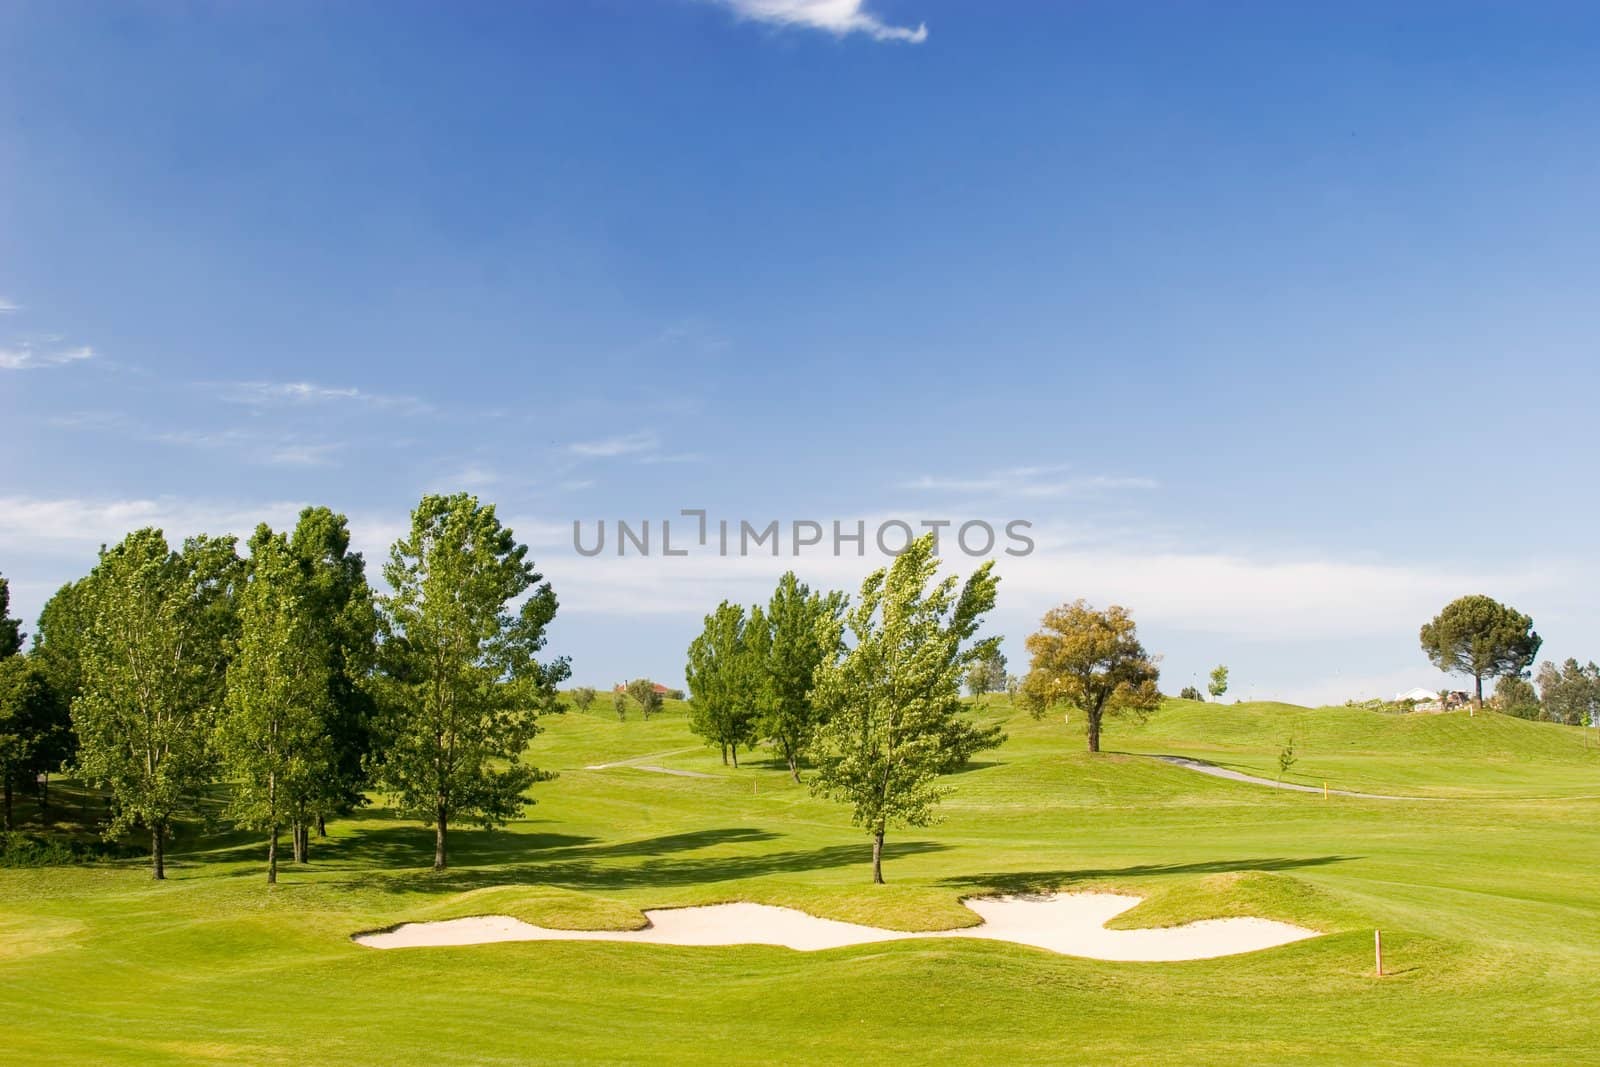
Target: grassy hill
column 1487, row 902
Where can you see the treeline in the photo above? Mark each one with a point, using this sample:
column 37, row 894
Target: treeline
column 869, row 693
column 279, row 673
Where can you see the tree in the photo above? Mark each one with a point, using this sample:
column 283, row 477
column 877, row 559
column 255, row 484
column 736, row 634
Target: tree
column 619, row 704
column 10, row 629
column 1189, row 692
column 583, row 697
column 643, row 692
column 275, row 739
column 890, row 702
column 58, row 640
column 1515, row 695
column 1570, row 694
column 803, row 635
column 460, row 692
column 343, row 619
column 32, row 727
column 723, row 678
column 1480, row 637
column 987, row 675
column 1286, row 759
column 1093, row 661
column 153, row 661
column 1219, row 682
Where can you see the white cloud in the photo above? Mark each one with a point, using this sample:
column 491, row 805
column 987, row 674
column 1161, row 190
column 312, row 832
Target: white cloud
column 627, row 445
column 838, row 17
column 263, row 394
column 1030, row 482
column 8, row 306
column 27, row 357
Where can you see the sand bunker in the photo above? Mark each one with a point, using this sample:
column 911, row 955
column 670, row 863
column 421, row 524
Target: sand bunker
column 1070, row 923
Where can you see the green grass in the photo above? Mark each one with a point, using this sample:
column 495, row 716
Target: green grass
column 1488, row 901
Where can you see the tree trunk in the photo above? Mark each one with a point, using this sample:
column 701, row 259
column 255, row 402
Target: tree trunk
column 44, row 793
column 1094, row 732
column 1477, row 699
column 736, row 756
column 724, row 755
column 9, row 825
column 794, row 764
column 296, row 842
column 877, row 857
column 439, row 863
column 272, row 857
column 158, row 851
column 322, row 826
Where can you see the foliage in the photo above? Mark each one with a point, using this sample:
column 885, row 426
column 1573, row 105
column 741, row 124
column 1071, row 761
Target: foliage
column 724, row 676
column 1570, row 694
column 10, row 629
column 1093, row 661
column 275, row 740
column 1286, row 758
column 153, row 665
column 1480, row 637
column 343, row 621
column 1189, row 692
column 460, row 691
column 583, row 697
column 892, row 704
column 987, row 675
column 1515, row 695
column 803, row 636
column 643, row 691
column 619, row 704
column 33, row 727
column 1218, row 684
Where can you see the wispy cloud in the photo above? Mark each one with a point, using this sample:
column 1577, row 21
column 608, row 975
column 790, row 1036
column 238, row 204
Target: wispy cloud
column 8, row 306
column 838, row 17
column 1030, row 482
column 306, row 394
column 26, row 356
column 632, row 444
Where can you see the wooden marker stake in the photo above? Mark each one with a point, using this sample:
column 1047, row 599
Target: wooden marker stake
column 1377, row 949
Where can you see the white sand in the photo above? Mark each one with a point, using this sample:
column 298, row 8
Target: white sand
column 1069, row 923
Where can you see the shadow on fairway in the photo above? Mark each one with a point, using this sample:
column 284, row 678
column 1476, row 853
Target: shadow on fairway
column 481, row 858
column 1052, row 881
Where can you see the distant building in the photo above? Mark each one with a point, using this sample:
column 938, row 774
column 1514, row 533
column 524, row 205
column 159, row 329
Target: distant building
column 1433, row 700
column 657, row 686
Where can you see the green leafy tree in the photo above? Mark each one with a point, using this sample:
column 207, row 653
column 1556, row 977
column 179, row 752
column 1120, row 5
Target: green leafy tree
column 619, row 704
column 10, row 629
column 343, row 622
column 275, row 740
column 1286, row 759
column 1480, row 637
column 1219, row 682
column 643, row 692
column 889, row 703
column 460, row 691
column 802, row 636
column 58, row 640
column 153, row 663
column 1571, row 693
column 1189, row 692
column 987, row 675
column 1093, row 661
column 723, row 677
column 583, row 698
column 32, row 727
column 1515, row 695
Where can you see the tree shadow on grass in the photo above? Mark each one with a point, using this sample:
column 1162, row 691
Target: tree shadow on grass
column 662, row 862
column 1028, row 882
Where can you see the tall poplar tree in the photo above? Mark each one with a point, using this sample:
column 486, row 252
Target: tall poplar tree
column 460, row 691
column 803, row 636
column 274, row 740
column 153, row 663
column 722, row 681
column 893, row 702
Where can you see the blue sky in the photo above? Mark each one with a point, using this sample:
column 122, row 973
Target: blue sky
column 1277, row 321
